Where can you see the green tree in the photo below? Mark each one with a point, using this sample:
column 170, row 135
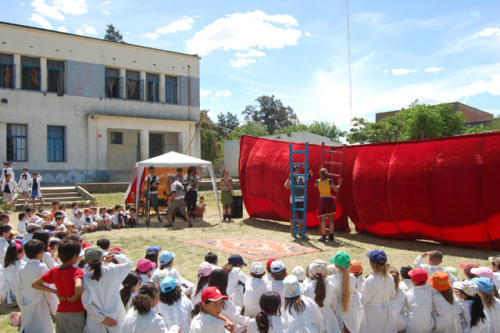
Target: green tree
column 113, row 34
column 271, row 112
column 227, row 122
column 207, row 136
column 250, row 128
column 293, row 128
column 330, row 130
column 390, row 128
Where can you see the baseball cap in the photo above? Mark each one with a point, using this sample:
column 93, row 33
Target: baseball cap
column 494, row 260
column 468, row 287
column 212, row 294
column 166, row 257
column 257, row 268
column 236, row 259
column 93, row 254
column 378, row 257
column 484, row 284
column 299, row 272
column 440, row 281
column 356, row 267
column 277, row 266
column 483, row 272
column 153, row 249
column 168, row 284
column 291, row 287
column 418, row 276
column 341, row 259
column 144, row 265
column 205, row 269
column 116, row 249
column 466, row 266
column 269, row 262
column 318, row 268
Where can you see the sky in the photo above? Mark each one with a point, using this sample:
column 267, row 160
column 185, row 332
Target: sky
column 433, row 51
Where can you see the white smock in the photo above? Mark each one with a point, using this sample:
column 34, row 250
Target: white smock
column 170, row 271
column 431, row 269
column 254, row 288
column 350, row 318
column 447, row 316
column 309, row 321
column 399, row 311
column 205, row 323
column 405, row 285
column 35, row 311
column 24, row 183
column 232, row 312
column 277, row 286
column 419, row 305
column 8, row 277
column 275, row 325
column 4, row 245
column 102, row 299
column 177, row 314
column 150, row 322
column 494, row 315
column 329, row 304
column 481, row 326
column 196, row 298
column 376, row 294
column 236, row 280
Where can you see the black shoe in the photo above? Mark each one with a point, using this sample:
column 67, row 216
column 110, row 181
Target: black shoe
column 224, row 219
column 147, row 222
column 190, row 224
column 169, row 225
column 322, row 238
column 229, row 218
column 330, row 237
column 159, row 219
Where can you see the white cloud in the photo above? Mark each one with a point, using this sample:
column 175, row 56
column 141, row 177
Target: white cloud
column 183, row 24
column 205, row 92
column 433, row 69
column 86, row 30
column 106, row 2
column 402, row 71
column 74, row 7
column 224, row 93
column 62, row 29
column 242, row 62
column 307, row 34
column 489, row 32
column 47, row 10
column 243, row 59
column 106, row 12
column 242, row 31
column 37, row 18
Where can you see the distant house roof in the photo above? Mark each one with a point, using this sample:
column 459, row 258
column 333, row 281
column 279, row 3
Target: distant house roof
column 303, row 137
column 473, row 116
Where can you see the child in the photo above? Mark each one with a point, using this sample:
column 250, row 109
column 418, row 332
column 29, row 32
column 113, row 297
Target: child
column 356, row 269
column 24, row 185
column 323, row 295
column 467, row 266
column 153, row 257
column 30, row 230
column 206, row 313
column 376, row 294
column 5, row 234
column 74, row 208
column 104, row 244
column 35, row 311
column 345, row 305
column 166, row 259
column 226, row 188
column 8, row 274
column 435, row 259
column 268, row 320
column 131, row 217
column 144, row 268
column 472, row 306
column 398, row 303
column 236, row 279
column 103, row 219
column 301, row 313
column 491, row 303
column 8, row 189
column 300, row 273
column 35, row 189
column 255, row 287
column 419, row 303
column 70, row 316
column 212, row 259
column 406, row 283
column 79, row 220
column 22, row 224
column 200, row 207
column 326, row 202
column 495, row 267
column 204, row 271
column 101, row 290
column 268, row 277
column 278, row 274
column 447, row 310
column 130, row 286
column 118, row 219
column 7, row 170
column 174, row 306
column 141, row 318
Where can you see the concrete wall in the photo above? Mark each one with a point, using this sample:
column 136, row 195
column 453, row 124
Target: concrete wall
column 122, row 156
column 79, row 74
column 232, row 156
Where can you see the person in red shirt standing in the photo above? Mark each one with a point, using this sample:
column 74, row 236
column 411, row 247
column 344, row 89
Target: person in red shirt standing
column 70, row 316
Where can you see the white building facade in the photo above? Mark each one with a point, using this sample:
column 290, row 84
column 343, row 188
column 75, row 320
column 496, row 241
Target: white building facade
column 82, row 109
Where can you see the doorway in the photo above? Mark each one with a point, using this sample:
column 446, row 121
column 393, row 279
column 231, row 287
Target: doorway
column 156, row 146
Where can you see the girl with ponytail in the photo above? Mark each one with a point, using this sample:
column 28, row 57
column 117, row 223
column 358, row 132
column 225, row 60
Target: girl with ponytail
column 476, row 319
column 268, row 320
column 490, row 302
column 398, row 303
column 8, row 275
column 322, row 293
column 130, row 286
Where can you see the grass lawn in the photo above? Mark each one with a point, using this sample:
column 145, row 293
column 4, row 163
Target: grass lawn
column 136, row 241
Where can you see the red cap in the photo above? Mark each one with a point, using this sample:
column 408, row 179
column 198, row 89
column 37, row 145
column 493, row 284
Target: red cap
column 116, row 249
column 418, row 276
column 85, row 245
column 212, row 294
column 269, row 262
column 467, row 266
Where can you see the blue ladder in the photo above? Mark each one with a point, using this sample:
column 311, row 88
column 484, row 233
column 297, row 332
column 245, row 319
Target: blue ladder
column 295, row 186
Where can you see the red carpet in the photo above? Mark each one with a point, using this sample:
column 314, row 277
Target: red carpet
column 254, row 248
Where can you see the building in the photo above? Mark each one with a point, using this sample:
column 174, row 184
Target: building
column 82, row 109
column 232, row 147
column 472, row 115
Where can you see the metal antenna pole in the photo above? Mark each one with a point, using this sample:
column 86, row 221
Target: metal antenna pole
column 349, row 55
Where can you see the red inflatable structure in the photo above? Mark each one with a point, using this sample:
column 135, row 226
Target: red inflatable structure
column 445, row 189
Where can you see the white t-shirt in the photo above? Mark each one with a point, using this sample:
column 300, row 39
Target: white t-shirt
column 254, row 288
column 178, row 188
column 205, row 323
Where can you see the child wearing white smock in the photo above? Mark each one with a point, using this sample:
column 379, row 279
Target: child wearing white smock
column 178, row 313
column 8, row 275
column 236, row 279
column 209, row 309
column 376, row 294
column 101, row 298
column 468, row 294
column 278, row 274
column 490, row 302
column 419, row 303
column 268, row 316
column 447, row 312
column 254, row 288
column 397, row 303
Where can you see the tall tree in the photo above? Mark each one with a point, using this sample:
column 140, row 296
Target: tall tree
column 207, row 136
column 271, row 112
column 227, row 122
column 250, row 128
column 113, row 34
column 330, row 130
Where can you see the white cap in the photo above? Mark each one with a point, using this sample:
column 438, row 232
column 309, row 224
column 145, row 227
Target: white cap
column 299, row 272
column 257, row 268
column 277, row 266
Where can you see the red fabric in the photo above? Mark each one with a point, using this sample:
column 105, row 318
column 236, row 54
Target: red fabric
column 64, row 279
column 444, row 189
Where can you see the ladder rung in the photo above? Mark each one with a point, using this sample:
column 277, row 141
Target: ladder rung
column 298, row 164
column 299, row 175
column 299, row 198
column 298, row 186
column 299, row 209
column 298, row 151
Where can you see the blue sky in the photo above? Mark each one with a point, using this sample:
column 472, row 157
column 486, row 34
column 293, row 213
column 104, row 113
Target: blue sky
column 434, row 51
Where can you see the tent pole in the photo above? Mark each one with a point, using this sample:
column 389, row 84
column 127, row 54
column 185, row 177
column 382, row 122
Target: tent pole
column 137, row 187
column 214, row 186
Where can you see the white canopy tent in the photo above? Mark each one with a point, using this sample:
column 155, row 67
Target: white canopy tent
column 173, row 160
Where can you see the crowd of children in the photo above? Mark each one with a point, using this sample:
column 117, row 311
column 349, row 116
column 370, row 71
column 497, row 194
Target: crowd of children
column 28, row 187
column 55, row 276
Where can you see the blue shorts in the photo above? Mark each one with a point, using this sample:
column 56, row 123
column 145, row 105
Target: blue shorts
column 34, row 195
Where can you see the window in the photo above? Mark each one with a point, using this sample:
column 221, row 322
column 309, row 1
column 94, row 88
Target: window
column 55, row 71
column 171, row 89
column 152, row 88
column 30, row 78
column 56, row 147
column 116, row 138
column 112, row 83
column 133, row 85
column 17, row 142
column 6, row 71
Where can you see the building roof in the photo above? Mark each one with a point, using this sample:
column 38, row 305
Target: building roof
column 302, row 137
column 95, row 39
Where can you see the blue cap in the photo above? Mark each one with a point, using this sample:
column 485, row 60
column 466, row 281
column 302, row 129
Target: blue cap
column 168, row 284
column 236, row 259
column 166, row 257
column 485, row 285
column 154, row 249
column 378, row 257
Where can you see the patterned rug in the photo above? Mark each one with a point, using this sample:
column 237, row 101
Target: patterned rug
column 254, row 248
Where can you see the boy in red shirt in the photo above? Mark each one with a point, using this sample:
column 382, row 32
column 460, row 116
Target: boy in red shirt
column 70, row 315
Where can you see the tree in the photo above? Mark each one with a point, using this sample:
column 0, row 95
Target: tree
column 326, row 129
column 250, row 128
column 390, row 128
column 113, row 34
column 271, row 112
column 227, row 122
column 207, row 136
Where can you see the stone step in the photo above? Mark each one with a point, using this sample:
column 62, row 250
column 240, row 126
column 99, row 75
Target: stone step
column 57, row 189
column 47, row 204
